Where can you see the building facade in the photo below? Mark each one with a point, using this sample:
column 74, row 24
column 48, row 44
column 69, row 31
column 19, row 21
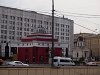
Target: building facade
column 16, row 24
column 80, row 50
column 93, row 43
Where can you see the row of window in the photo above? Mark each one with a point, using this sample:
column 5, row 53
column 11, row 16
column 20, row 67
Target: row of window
column 12, row 17
column 66, row 38
column 22, row 19
column 10, row 32
column 43, row 44
column 62, row 29
column 34, row 23
column 62, row 37
column 27, row 29
column 62, row 25
column 33, row 26
column 20, row 23
column 13, row 28
column 4, row 16
column 5, row 37
column 58, row 33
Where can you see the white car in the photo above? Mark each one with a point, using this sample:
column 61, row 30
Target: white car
column 17, row 63
column 91, row 63
column 63, row 61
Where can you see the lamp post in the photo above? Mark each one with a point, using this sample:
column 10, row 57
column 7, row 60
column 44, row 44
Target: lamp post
column 52, row 52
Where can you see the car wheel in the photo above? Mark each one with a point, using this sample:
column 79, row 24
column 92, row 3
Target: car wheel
column 13, row 65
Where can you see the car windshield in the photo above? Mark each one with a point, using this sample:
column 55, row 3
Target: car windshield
column 18, row 62
column 55, row 60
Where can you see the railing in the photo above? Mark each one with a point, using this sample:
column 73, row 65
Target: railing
column 70, row 70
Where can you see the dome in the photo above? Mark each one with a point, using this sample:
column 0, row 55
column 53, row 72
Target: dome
column 80, row 38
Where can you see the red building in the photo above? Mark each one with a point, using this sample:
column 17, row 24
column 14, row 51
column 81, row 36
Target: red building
column 36, row 47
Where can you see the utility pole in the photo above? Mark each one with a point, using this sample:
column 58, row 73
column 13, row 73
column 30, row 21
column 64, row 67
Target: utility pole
column 52, row 51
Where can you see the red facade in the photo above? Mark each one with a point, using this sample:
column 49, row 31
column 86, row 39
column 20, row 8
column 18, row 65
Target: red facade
column 25, row 53
column 36, row 54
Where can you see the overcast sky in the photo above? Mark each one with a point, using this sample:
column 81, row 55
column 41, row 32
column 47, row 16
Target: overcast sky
column 67, row 8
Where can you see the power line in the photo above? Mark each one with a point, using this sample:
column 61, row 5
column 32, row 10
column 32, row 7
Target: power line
column 77, row 14
column 85, row 28
column 80, row 14
column 89, row 22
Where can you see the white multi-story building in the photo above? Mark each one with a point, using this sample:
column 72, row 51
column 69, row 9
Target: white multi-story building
column 17, row 23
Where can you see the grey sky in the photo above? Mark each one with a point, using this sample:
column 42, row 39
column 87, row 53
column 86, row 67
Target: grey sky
column 91, row 7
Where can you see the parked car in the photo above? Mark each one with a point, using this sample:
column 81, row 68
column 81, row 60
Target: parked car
column 91, row 64
column 16, row 63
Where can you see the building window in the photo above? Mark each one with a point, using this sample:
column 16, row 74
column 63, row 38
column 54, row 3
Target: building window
column 34, row 20
column 13, row 32
column 20, row 28
column 26, row 19
column 1, row 31
column 2, row 36
column 31, row 30
column 67, row 38
column 12, row 17
column 62, row 38
column 13, row 28
column 67, row 34
column 42, row 44
column 4, row 16
column 19, row 18
column 20, row 33
column 24, row 33
column 5, row 37
column 2, row 26
column 17, row 28
column 17, row 33
column 5, row 31
column 13, row 37
column 24, row 29
column 5, row 26
column 39, row 22
column 9, row 37
column 27, row 29
column 27, row 44
column 4, row 21
column 31, row 25
column 67, row 26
